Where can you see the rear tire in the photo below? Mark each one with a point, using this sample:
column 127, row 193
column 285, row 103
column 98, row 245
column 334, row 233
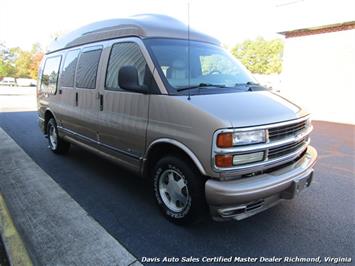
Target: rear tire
column 55, row 143
column 179, row 190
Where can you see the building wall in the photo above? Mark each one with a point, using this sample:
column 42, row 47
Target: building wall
column 319, row 74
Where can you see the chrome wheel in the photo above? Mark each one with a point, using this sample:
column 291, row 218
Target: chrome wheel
column 173, row 190
column 53, row 138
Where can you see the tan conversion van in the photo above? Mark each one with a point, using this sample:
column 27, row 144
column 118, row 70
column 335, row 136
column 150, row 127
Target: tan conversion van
column 173, row 106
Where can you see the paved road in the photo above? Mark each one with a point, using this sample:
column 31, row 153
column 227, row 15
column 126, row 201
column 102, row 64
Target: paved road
column 319, row 223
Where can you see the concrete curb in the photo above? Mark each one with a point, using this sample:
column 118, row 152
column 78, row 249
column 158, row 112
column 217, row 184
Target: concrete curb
column 14, row 245
column 52, row 228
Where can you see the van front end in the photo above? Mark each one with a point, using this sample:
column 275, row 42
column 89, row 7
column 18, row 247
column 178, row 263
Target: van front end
column 259, row 167
column 257, row 151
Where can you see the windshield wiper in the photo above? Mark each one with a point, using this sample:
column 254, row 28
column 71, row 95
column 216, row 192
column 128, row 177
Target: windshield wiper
column 249, row 83
column 202, row 85
column 251, row 86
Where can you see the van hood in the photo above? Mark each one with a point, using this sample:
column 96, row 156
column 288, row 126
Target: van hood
column 244, row 109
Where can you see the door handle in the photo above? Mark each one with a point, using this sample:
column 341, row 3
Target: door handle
column 101, row 102
column 76, row 99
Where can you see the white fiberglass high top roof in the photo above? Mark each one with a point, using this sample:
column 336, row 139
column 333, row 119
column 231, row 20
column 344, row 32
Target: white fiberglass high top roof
column 146, row 25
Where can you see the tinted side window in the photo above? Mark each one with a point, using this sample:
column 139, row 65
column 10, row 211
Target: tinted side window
column 50, row 75
column 87, row 69
column 68, row 72
column 124, row 54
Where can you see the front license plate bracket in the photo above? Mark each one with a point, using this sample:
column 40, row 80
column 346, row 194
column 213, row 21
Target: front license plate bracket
column 297, row 186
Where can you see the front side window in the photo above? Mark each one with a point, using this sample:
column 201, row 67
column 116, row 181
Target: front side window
column 86, row 72
column 49, row 79
column 68, row 72
column 125, row 54
column 185, row 64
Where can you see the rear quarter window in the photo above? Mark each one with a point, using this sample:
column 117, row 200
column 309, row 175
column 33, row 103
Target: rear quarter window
column 49, row 80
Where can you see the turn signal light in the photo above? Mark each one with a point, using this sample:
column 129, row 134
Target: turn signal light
column 225, row 140
column 224, row 160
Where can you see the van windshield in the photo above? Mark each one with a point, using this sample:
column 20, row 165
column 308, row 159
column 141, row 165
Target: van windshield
column 207, row 65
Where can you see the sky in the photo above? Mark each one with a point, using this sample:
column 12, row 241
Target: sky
column 24, row 22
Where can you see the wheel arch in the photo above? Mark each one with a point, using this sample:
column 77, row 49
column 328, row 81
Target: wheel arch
column 48, row 114
column 164, row 146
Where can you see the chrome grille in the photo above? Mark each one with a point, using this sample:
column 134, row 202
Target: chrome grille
column 285, row 141
column 286, row 149
column 282, row 132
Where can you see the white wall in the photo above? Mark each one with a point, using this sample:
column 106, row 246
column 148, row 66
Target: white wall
column 319, row 74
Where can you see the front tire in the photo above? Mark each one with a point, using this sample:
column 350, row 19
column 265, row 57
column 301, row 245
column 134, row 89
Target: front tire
column 179, row 190
column 55, row 143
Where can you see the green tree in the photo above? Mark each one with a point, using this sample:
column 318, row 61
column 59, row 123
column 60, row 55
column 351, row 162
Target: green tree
column 36, row 58
column 22, row 63
column 260, row 56
column 18, row 63
column 7, row 67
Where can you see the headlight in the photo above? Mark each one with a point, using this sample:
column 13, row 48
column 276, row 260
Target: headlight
column 230, row 139
column 248, row 137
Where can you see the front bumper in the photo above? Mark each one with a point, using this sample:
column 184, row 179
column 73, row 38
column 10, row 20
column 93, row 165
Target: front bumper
column 241, row 198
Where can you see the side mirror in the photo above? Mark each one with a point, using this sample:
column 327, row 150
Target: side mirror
column 128, row 79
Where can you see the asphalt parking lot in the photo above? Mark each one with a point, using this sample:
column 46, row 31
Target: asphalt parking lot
column 318, row 223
